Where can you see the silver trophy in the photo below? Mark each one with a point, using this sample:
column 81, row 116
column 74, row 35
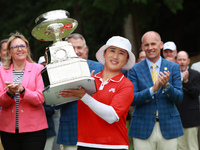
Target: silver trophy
column 64, row 69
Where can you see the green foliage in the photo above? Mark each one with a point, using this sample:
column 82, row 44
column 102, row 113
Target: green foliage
column 98, row 19
column 140, row 1
column 174, row 5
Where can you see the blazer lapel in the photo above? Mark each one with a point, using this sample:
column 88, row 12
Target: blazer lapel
column 163, row 64
column 27, row 74
column 146, row 73
column 8, row 76
column 163, row 67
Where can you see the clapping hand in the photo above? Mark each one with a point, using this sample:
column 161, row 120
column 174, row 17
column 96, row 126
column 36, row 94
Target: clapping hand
column 162, row 80
column 12, row 87
column 185, row 76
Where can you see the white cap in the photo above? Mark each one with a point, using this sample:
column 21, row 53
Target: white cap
column 120, row 42
column 41, row 60
column 169, row 45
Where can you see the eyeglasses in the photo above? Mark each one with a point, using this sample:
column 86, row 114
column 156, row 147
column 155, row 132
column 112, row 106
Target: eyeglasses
column 17, row 47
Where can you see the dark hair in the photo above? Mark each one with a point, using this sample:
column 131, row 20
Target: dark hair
column 3, row 41
column 126, row 52
column 138, row 54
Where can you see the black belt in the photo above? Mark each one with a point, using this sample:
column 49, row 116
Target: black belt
column 157, row 119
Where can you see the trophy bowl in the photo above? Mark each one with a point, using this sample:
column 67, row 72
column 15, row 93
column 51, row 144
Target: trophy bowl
column 64, row 69
column 53, row 26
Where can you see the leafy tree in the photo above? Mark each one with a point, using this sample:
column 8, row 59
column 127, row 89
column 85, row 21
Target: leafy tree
column 100, row 19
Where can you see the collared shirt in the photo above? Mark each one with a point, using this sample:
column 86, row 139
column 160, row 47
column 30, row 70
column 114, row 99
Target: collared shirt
column 149, row 63
column 182, row 73
column 95, row 132
column 158, row 63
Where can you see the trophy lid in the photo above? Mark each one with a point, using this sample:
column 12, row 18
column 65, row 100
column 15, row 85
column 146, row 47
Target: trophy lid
column 53, row 26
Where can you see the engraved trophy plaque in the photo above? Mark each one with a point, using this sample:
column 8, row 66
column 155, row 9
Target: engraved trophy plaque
column 64, row 69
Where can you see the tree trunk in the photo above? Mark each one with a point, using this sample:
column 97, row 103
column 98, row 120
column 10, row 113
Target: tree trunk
column 132, row 32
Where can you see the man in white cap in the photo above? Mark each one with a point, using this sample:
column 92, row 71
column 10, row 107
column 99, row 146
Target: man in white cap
column 42, row 61
column 169, row 51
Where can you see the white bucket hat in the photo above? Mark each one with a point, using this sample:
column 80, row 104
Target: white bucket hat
column 120, row 42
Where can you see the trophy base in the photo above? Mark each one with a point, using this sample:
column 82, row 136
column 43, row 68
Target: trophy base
column 51, row 93
column 63, row 75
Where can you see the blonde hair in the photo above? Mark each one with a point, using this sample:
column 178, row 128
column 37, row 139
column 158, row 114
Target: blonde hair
column 8, row 60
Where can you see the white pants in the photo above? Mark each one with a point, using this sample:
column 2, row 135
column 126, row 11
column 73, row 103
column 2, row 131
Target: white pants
column 155, row 142
column 49, row 143
column 68, row 147
column 189, row 141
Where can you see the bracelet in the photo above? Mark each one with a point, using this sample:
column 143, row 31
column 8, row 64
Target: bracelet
column 22, row 91
column 10, row 95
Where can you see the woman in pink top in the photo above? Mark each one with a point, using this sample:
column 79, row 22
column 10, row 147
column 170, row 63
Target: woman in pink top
column 102, row 117
column 23, row 121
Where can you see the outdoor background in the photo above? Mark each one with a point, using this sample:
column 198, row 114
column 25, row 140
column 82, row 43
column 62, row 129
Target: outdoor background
column 98, row 20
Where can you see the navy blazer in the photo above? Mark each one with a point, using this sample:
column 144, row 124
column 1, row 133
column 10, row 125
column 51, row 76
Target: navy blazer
column 68, row 128
column 93, row 65
column 49, row 110
column 189, row 108
column 144, row 115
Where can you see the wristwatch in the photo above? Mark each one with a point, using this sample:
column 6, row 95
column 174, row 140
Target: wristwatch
column 10, row 95
column 22, row 91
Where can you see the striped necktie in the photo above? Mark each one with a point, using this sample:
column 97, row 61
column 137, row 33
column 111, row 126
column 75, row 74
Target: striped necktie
column 154, row 74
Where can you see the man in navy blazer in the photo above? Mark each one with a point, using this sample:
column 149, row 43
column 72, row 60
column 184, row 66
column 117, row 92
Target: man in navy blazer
column 68, row 129
column 189, row 108
column 155, row 121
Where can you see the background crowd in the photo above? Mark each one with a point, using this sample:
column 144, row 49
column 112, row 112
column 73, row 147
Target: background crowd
column 165, row 110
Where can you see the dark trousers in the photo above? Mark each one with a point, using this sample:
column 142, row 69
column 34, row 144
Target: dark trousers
column 88, row 148
column 24, row 141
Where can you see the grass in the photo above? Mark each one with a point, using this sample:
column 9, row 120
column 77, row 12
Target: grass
column 130, row 138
